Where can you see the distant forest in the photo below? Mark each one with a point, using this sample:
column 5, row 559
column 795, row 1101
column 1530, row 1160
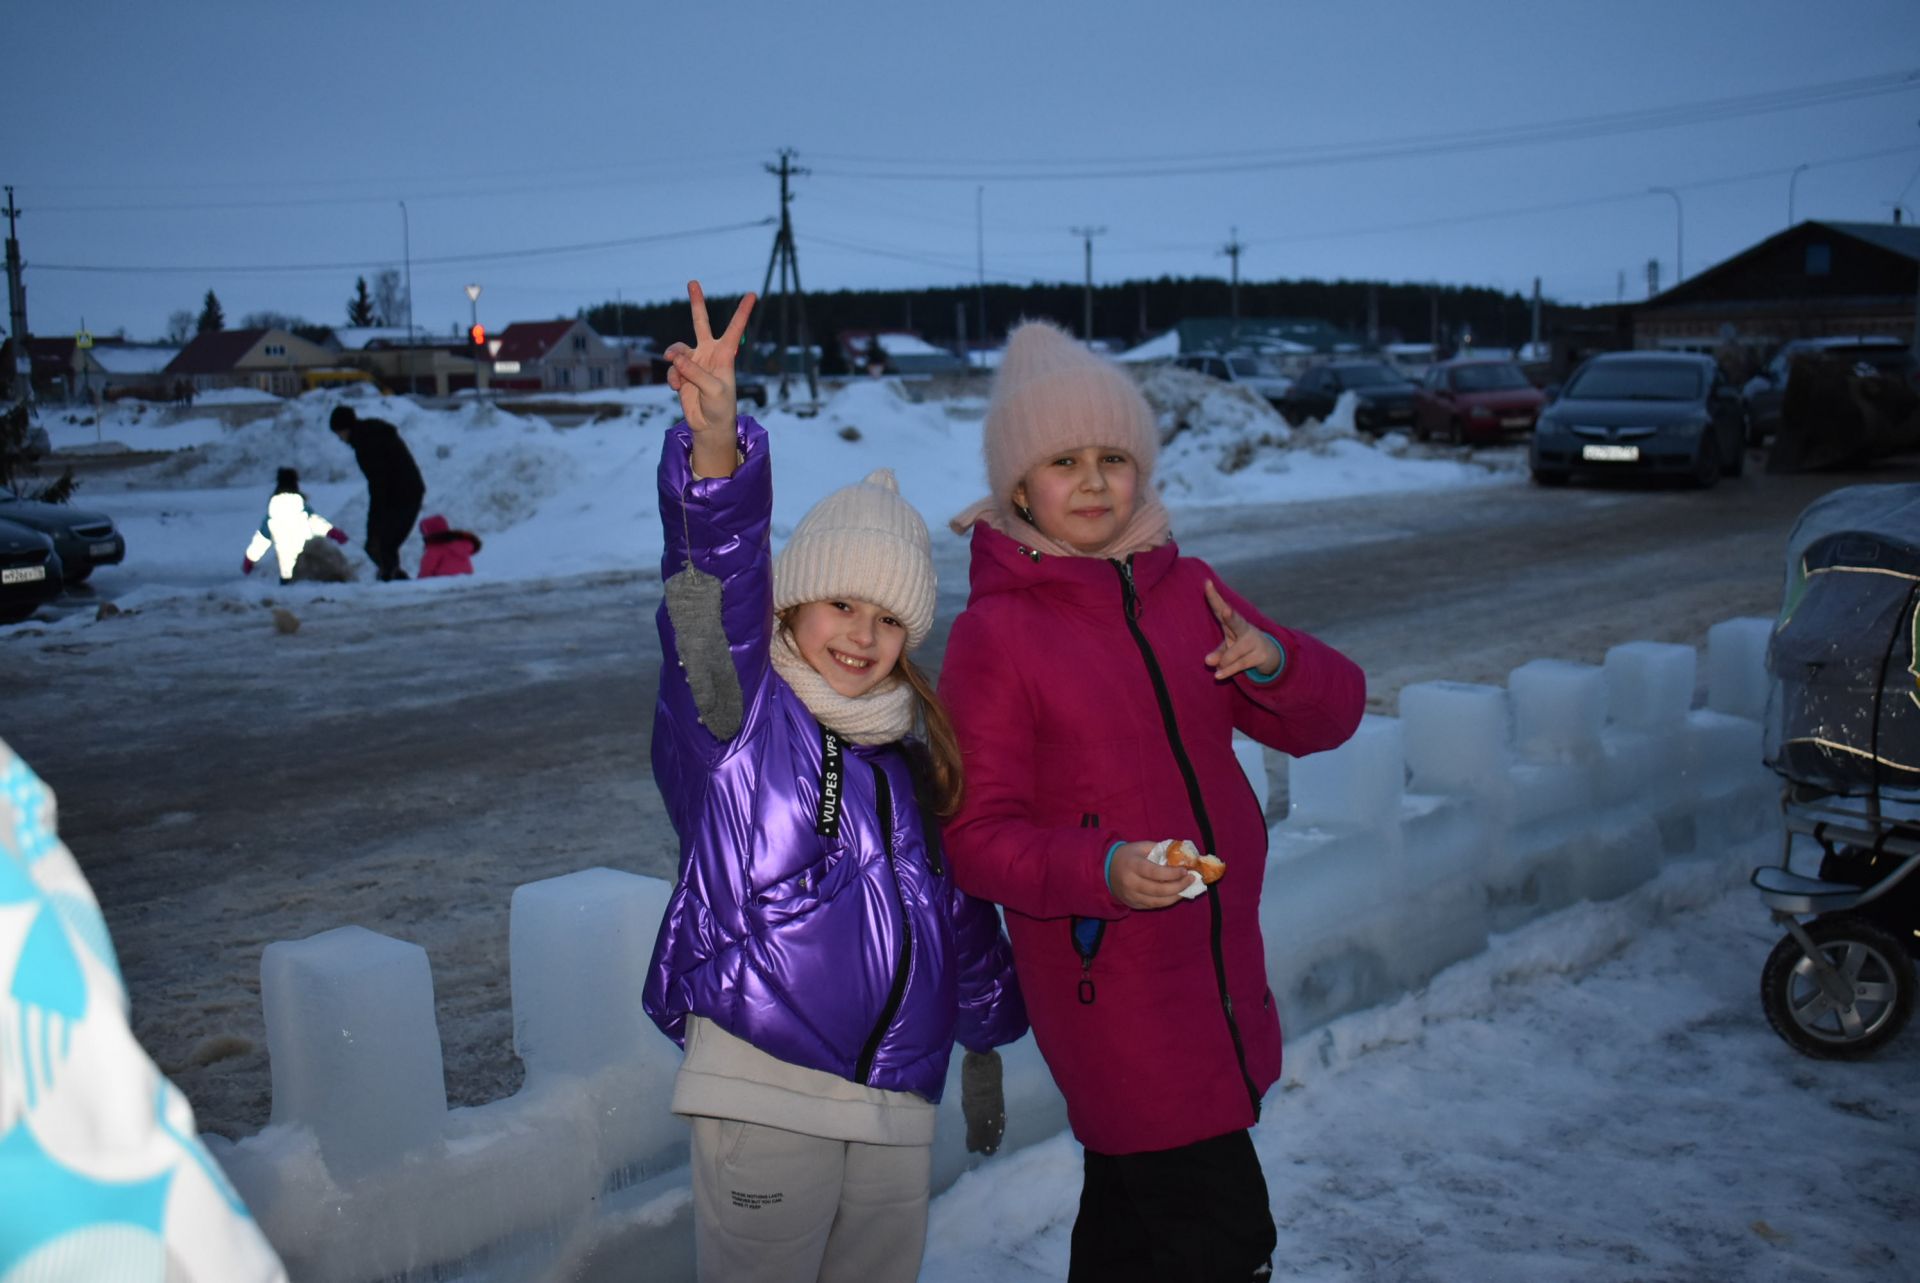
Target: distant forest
column 1129, row 312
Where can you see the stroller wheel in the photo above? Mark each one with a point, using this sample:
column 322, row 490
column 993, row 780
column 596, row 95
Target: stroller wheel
column 1871, row 962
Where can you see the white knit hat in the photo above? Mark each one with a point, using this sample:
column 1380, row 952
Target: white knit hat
column 1052, row 395
column 864, row 542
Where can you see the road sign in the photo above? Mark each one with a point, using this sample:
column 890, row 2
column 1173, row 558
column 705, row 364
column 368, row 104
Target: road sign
column 83, row 340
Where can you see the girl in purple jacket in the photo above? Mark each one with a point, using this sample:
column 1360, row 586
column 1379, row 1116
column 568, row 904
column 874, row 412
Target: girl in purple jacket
column 815, row 960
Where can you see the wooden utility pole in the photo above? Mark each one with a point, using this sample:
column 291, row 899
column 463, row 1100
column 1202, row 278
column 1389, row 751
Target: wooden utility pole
column 1087, row 234
column 792, row 299
column 1232, row 250
column 19, row 378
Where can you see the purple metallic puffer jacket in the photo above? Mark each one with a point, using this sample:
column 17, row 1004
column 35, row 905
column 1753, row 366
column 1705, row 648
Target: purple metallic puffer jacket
column 850, row 952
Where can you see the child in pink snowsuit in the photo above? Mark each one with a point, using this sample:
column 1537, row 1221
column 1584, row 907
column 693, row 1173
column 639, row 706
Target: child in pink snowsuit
column 449, row 552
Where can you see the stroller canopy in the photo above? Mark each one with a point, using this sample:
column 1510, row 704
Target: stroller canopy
column 1843, row 713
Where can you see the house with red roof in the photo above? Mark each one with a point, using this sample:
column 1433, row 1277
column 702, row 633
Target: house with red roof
column 556, row 356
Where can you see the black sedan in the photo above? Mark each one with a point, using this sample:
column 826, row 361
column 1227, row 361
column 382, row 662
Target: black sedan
column 83, row 539
column 1642, row 412
column 29, row 572
column 1385, row 398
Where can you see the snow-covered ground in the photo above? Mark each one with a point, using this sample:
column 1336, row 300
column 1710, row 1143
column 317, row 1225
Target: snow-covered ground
column 551, row 501
column 1595, row 1097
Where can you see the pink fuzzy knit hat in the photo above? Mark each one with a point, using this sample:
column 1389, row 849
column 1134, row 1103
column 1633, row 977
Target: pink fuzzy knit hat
column 1052, row 395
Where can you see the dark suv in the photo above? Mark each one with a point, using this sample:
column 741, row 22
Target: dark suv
column 1766, row 392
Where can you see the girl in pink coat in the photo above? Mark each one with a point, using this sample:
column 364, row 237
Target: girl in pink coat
column 1096, row 678
column 448, row 552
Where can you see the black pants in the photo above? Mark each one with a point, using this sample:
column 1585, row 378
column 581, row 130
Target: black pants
column 389, row 522
column 1197, row 1214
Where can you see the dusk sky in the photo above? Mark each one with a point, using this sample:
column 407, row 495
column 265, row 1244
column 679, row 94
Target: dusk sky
column 561, row 154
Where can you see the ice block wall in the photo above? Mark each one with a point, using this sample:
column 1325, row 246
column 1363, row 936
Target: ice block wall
column 1477, row 809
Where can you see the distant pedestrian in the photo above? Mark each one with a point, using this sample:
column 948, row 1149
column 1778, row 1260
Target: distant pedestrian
column 394, row 487
column 449, row 552
column 289, row 524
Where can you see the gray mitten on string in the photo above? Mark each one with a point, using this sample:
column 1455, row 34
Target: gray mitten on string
column 982, row 1101
column 700, row 635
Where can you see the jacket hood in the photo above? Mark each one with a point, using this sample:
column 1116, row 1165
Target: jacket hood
column 433, row 525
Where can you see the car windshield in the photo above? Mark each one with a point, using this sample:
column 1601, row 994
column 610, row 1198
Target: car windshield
column 1246, row 367
column 1366, row 376
column 1636, row 381
column 1494, row 376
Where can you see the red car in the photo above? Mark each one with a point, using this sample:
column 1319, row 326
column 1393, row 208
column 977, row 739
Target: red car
column 1475, row 402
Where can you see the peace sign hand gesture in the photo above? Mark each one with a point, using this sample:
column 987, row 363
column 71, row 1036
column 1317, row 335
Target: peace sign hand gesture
column 703, row 376
column 1244, row 646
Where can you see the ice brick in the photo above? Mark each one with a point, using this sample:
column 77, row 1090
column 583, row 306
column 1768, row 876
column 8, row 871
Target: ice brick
column 1558, row 709
column 578, row 951
column 1457, row 737
column 354, row 1048
column 1358, row 785
column 1737, row 666
column 1649, row 684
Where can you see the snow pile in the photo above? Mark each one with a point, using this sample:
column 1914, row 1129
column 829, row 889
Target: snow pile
column 557, row 500
column 1410, row 850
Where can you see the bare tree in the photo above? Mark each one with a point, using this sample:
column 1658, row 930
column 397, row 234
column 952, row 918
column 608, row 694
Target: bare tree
column 179, row 326
column 271, row 320
column 389, row 297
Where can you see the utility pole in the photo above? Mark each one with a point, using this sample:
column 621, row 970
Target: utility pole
column 1087, row 234
column 1653, row 277
column 980, row 261
column 1232, row 250
column 791, row 298
column 1533, row 333
column 19, row 378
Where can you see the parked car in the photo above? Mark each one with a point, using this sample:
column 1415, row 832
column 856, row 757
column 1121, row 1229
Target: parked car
column 1386, row 399
column 84, row 539
column 1473, row 402
column 1766, row 392
column 30, row 575
column 1250, row 372
column 1644, row 412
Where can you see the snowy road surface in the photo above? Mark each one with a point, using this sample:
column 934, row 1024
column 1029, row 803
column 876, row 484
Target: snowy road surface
column 1596, row 1097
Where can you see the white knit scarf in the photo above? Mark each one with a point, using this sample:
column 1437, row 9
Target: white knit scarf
column 880, row 716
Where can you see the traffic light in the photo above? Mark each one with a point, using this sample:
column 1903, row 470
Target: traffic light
column 477, row 336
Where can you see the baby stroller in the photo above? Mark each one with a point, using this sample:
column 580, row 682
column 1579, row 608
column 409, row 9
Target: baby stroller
column 1843, row 729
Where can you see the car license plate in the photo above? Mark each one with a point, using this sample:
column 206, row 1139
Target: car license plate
column 23, row 574
column 1610, row 453
column 1518, row 421
column 101, row 549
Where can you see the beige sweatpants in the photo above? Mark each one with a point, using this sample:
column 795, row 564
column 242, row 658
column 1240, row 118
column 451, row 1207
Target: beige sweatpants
column 773, row 1206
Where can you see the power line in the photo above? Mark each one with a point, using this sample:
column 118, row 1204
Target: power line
column 1330, row 154
column 493, row 256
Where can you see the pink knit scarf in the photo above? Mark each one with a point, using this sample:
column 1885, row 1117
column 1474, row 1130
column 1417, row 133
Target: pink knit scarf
column 1149, row 527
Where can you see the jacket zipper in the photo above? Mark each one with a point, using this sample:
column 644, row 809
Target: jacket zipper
column 883, row 794
column 1130, row 608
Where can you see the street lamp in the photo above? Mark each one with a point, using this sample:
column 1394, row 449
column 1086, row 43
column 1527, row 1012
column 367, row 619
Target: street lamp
column 473, row 332
column 1679, row 233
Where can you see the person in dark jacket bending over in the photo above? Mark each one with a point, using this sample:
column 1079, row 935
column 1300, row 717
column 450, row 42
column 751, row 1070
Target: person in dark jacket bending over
column 394, row 488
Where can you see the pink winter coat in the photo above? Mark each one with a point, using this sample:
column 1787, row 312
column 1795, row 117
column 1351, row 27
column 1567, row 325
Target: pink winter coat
column 1078, row 734
column 449, row 552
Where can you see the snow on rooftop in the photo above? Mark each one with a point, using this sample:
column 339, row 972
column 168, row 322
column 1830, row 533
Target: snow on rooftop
column 117, row 358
